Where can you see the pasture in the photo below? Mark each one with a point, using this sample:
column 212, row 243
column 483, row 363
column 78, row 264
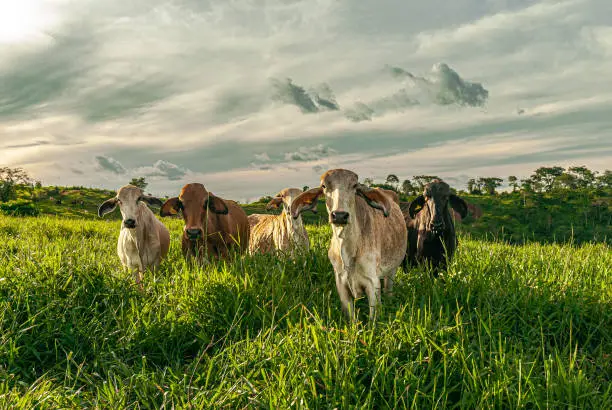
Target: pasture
column 511, row 326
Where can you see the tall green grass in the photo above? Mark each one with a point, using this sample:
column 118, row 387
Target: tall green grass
column 510, row 327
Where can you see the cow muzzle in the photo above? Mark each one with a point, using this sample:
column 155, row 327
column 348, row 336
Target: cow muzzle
column 193, row 233
column 437, row 227
column 339, row 217
column 129, row 223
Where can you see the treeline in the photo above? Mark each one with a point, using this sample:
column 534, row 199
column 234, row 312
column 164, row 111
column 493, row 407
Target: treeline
column 543, row 179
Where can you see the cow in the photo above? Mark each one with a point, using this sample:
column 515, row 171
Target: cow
column 279, row 233
column 431, row 232
column 368, row 236
column 213, row 226
column 143, row 239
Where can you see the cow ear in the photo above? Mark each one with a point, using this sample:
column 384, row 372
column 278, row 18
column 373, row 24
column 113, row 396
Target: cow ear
column 306, row 201
column 274, row 203
column 417, row 203
column 216, row 204
column 376, row 198
column 170, row 207
column 458, row 205
column 107, row 206
column 151, row 200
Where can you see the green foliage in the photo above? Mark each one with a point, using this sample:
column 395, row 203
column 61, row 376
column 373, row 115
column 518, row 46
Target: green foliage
column 10, row 178
column 139, row 182
column 392, row 179
column 510, row 327
column 19, row 207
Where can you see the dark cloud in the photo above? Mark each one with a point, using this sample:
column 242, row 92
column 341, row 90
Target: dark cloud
column 110, row 164
column 445, row 86
column 309, row 153
column 359, row 112
column 287, row 92
column 76, row 171
column 27, row 145
column 319, row 168
column 324, row 97
column 320, row 98
column 162, row 169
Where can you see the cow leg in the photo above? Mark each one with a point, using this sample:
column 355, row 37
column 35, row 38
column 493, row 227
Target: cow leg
column 346, row 297
column 388, row 283
column 373, row 293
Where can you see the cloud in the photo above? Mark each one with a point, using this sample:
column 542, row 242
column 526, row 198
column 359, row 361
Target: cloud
column 320, row 98
column 324, row 97
column 262, row 157
column 109, row 164
column 309, row 153
column 287, row 92
column 359, row 112
column 444, row 85
column 163, row 169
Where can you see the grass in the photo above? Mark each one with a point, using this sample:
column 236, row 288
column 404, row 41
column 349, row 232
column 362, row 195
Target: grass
column 512, row 326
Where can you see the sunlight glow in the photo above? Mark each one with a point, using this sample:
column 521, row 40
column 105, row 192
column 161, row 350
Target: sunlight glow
column 24, row 20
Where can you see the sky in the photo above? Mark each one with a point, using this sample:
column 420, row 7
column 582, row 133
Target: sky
column 249, row 97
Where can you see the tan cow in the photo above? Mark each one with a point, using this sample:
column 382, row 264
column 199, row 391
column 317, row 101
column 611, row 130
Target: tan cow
column 272, row 233
column 213, row 226
column 368, row 236
column 143, row 240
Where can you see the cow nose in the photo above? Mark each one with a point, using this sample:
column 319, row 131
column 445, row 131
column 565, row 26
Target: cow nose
column 129, row 223
column 339, row 217
column 193, row 233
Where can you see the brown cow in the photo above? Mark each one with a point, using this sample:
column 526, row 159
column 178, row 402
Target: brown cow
column 213, row 226
column 368, row 236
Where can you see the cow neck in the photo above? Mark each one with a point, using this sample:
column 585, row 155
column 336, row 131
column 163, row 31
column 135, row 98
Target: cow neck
column 292, row 226
column 346, row 238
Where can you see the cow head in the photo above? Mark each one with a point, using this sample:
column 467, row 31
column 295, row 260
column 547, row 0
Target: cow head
column 285, row 198
column 432, row 206
column 195, row 202
column 128, row 198
column 340, row 187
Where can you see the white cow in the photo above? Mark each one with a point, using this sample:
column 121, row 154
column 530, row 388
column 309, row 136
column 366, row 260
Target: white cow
column 143, row 240
column 368, row 236
column 270, row 233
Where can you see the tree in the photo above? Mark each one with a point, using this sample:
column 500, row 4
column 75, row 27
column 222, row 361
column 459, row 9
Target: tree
column 584, row 177
column 139, row 182
column 422, row 180
column 368, row 181
column 9, row 179
column 489, row 184
column 407, row 187
column 567, row 181
column 392, row 179
column 305, row 188
column 605, row 179
column 513, row 182
column 546, row 177
column 471, row 185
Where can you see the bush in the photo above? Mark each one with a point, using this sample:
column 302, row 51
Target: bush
column 19, row 207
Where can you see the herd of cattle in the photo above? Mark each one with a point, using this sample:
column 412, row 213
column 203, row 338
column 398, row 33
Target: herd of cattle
column 373, row 233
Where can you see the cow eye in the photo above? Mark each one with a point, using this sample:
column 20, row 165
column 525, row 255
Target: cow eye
column 323, row 186
column 355, row 186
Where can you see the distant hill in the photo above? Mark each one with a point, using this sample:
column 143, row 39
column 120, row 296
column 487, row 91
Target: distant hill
column 578, row 215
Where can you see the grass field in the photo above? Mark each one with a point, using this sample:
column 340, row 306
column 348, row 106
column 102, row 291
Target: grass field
column 511, row 327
